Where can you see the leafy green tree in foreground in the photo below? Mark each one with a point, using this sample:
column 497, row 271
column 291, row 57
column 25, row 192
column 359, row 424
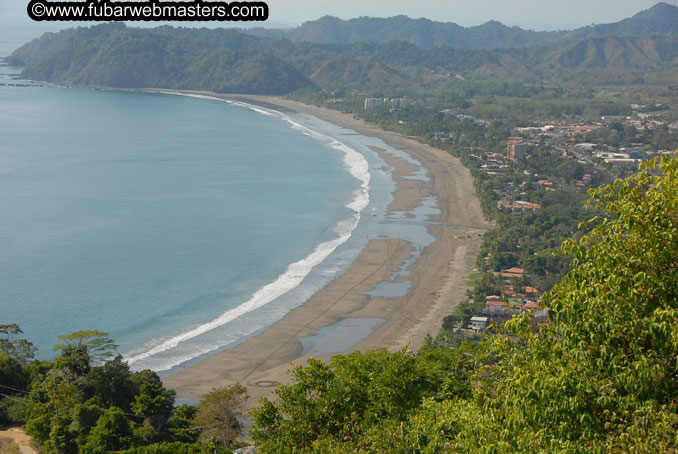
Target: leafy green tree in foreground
column 341, row 402
column 86, row 403
column 77, row 407
column 604, row 374
column 601, row 377
column 155, row 404
column 181, row 422
column 112, row 432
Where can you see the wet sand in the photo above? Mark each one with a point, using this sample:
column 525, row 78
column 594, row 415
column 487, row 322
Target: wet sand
column 438, row 277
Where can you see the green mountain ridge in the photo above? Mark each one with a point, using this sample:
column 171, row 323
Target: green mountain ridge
column 615, row 52
column 360, row 70
column 113, row 55
column 661, row 19
column 229, row 61
column 424, row 33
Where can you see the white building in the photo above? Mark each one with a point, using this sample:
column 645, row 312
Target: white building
column 373, row 103
column 478, row 323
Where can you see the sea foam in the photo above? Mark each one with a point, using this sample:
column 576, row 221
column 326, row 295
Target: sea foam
column 295, row 273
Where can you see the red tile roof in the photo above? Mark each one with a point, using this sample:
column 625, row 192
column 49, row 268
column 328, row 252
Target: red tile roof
column 515, row 270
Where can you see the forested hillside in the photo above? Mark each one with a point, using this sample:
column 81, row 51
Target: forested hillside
column 661, row 19
column 228, row 61
column 86, row 401
column 113, row 55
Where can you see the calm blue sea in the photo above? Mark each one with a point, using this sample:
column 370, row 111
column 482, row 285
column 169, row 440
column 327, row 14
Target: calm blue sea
column 178, row 225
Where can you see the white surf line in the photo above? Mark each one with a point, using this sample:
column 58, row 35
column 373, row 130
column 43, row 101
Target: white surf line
column 295, row 272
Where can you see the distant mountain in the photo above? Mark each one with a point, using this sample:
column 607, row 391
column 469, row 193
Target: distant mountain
column 661, row 19
column 613, row 52
column 228, row 61
column 112, row 55
column 423, row 33
column 364, row 71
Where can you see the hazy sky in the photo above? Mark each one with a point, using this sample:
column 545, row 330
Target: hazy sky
column 532, row 14
column 539, row 14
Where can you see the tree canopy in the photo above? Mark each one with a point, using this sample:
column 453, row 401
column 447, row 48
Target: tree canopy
column 76, row 405
column 601, row 376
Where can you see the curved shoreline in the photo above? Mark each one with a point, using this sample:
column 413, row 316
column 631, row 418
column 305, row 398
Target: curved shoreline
column 295, row 273
column 438, row 279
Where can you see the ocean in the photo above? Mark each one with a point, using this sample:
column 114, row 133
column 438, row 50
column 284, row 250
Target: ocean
column 180, row 226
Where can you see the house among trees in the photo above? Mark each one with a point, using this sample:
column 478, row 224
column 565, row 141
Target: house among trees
column 510, row 273
column 517, row 207
column 478, row 323
column 496, row 307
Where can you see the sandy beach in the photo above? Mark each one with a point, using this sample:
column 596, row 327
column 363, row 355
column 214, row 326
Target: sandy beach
column 438, row 277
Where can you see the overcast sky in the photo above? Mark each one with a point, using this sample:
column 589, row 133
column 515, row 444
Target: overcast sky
column 531, row 14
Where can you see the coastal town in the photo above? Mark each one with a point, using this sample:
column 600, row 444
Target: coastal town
column 592, row 155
